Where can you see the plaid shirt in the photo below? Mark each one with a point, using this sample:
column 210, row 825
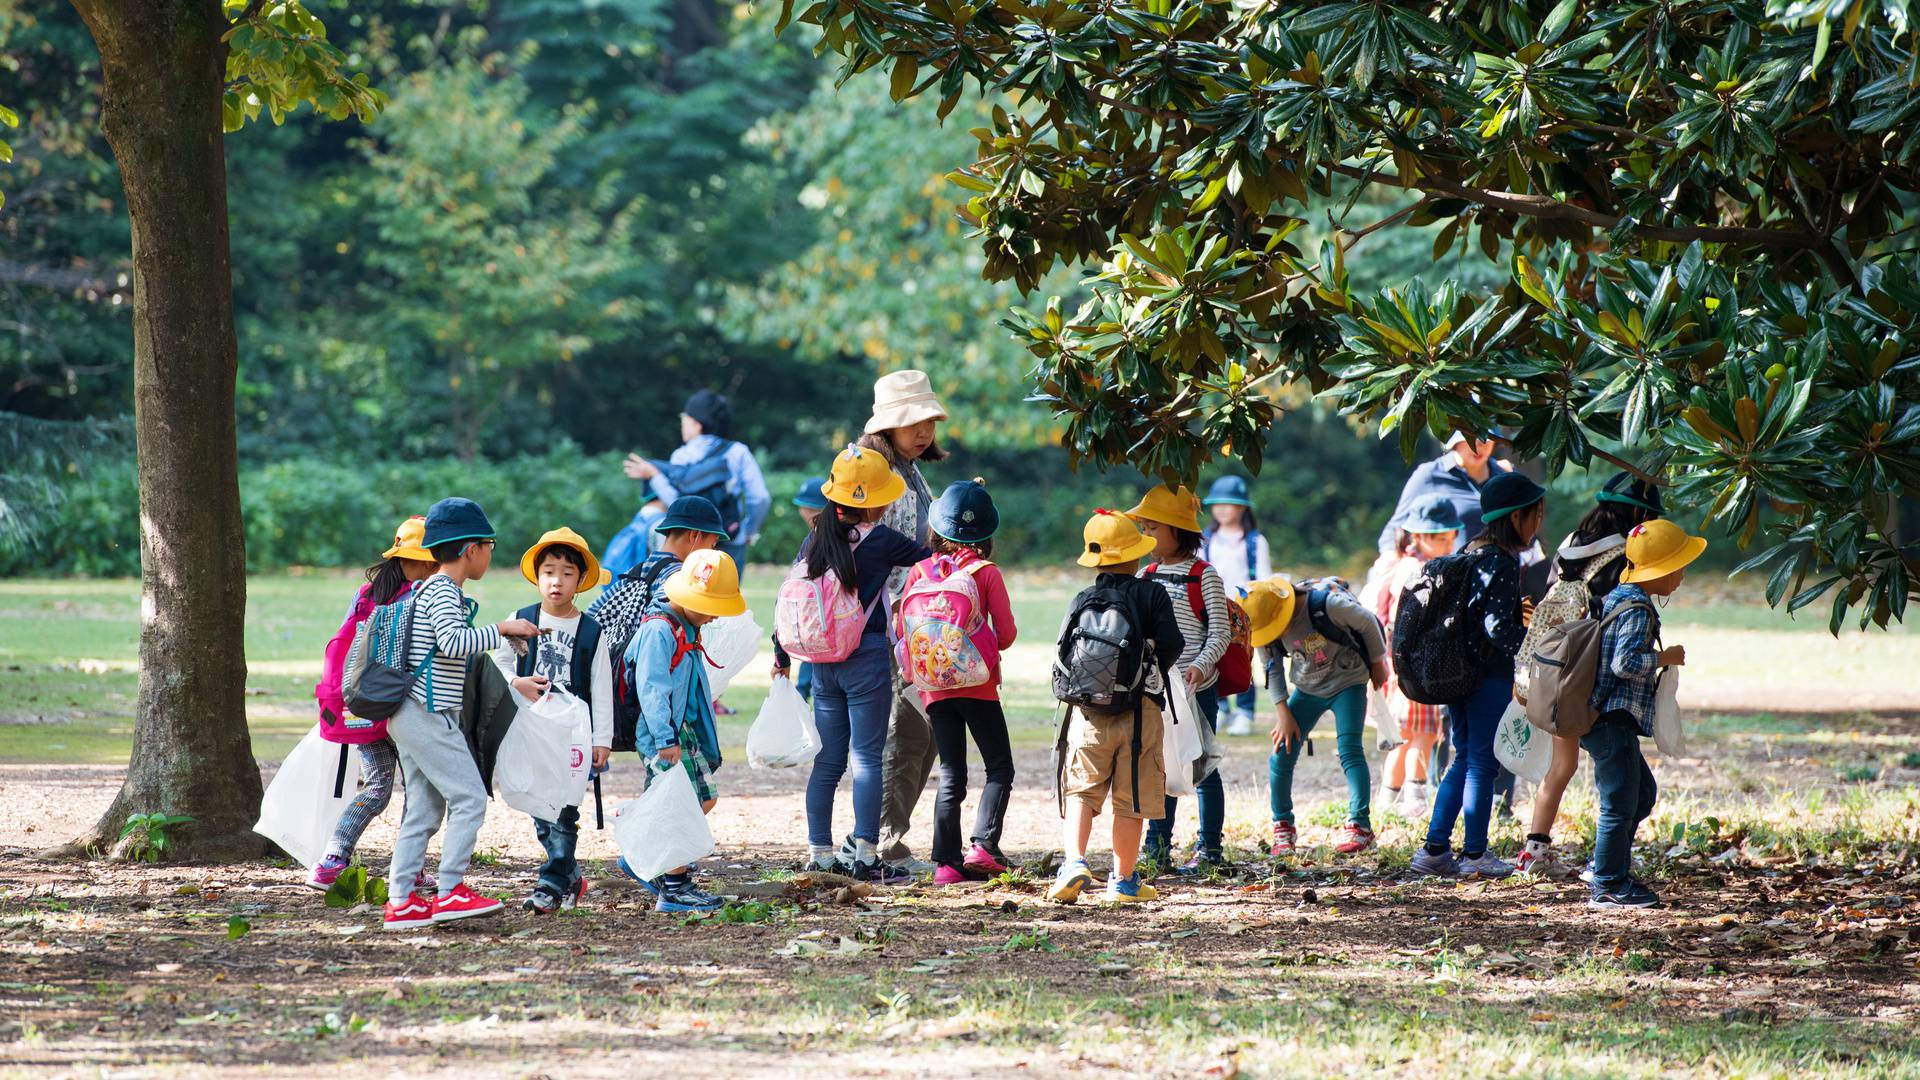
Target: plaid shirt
column 1628, row 676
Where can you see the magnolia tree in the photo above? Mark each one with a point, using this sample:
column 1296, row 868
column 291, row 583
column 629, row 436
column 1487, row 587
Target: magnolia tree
column 1704, row 210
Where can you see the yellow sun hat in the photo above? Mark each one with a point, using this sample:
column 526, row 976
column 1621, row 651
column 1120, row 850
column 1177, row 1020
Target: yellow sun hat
column 1657, row 548
column 1269, row 606
column 408, row 541
column 862, row 479
column 594, row 577
column 1179, row 508
column 1111, row 539
column 708, row 583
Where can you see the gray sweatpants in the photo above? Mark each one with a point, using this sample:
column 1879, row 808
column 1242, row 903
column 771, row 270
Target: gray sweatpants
column 441, row 779
column 904, row 772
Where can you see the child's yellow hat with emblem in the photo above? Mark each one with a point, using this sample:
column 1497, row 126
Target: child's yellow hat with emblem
column 862, row 479
column 1179, row 508
column 408, row 541
column 1657, row 548
column 1111, row 539
column 592, row 578
column 708, row 583
column 1269, row 606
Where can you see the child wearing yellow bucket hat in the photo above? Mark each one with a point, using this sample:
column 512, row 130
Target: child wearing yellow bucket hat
column 1112, row 664
column 676, row 726
column 1171, row 517
column 831, row 610
column 1624, row 688
column 404, row 563
column 571, row 654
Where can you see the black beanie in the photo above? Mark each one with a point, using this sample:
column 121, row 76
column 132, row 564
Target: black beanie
column 711, row 411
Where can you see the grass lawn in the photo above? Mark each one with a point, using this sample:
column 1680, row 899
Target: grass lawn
column 1788, row 850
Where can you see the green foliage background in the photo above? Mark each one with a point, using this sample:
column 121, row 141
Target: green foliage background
column 571, row 214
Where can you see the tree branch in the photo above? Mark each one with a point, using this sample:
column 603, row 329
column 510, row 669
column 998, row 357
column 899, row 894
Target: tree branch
column 1628, row 466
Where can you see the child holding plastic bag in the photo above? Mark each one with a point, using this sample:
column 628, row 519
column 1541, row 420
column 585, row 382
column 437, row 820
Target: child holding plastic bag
column 570, row 654
column 676, row 725
column 943, row 660
column 393, row 577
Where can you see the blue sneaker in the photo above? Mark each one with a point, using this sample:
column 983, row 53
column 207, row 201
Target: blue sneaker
column 1129, row 890
column 652, row 887
column 685, row 896
column 1427, row 864
column 1073, row 877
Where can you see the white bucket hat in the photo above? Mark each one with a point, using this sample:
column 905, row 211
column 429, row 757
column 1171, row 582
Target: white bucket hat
column 903, row 399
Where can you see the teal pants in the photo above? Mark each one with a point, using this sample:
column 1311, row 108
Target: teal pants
column 1349, row 709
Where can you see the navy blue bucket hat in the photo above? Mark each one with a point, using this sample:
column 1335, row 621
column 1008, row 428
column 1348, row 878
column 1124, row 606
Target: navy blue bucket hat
column 1507, row 492
column 693, row 513
column 1631, row 490
column 1433, row 514
column 809, row 494
column 964, row 513
column 455, row 519
column 1227, row 491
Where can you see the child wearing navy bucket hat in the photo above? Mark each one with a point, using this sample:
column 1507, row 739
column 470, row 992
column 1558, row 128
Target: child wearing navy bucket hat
column 437, row 767
column 1428, row 532
column 954, row 622
column 1233, row 544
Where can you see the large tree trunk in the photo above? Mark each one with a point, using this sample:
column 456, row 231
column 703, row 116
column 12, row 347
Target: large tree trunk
column 163, row 66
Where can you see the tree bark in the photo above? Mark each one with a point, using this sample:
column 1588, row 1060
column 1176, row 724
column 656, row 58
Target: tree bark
column 163, row 66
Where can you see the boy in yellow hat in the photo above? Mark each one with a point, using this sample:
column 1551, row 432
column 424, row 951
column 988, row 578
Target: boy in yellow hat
column 1624, row 689
column 1114, row 659
column 570, row 654
column 676, row 724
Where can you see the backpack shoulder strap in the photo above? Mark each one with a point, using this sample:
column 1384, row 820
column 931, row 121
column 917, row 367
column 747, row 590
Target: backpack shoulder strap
column 1253, row 552
column 1317, row 598
column 1192, row 581
column 523, row 666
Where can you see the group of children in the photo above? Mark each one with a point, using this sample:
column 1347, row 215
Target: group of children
column 1176, row 607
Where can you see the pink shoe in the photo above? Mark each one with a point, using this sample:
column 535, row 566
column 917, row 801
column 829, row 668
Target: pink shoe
column 949, row 875
column 326, row 872
column 983, row 861
column 1284, row 838
column 424, row 882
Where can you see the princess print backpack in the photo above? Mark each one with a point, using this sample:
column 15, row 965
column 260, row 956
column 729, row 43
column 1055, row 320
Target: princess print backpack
column 939, row 616
column 819, row 619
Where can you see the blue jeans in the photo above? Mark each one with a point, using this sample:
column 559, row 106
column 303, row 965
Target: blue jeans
column 1469, row 783
column 1349, row 708
column 1247, row 701
column 560, row 873
column 738, row 550
column 1626, row 789
column 1211, row 796
column 851, row 702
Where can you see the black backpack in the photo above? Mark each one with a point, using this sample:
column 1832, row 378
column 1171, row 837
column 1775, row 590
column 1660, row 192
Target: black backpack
column 708, row 478
column 1436, row 646
column 1318, row 591
column 1102, row 662
column 626, row 694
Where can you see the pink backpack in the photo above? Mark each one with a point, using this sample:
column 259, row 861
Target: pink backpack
column 336, row 725
column 940, row 619
column 819, row 619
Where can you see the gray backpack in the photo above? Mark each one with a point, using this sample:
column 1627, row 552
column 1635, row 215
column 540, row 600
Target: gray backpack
column 1561, row 672
column 1102, row 662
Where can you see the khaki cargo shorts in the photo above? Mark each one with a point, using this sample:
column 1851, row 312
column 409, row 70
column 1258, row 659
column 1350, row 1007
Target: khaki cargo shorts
column 1101, row 759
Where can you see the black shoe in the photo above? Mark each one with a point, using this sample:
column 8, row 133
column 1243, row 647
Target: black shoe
column 1635, row 895
column 879, row 873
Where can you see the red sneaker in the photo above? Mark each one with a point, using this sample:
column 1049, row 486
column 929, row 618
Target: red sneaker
column 463, row 903
column 411, row 913
column 1354, row 840
column 1283, row 839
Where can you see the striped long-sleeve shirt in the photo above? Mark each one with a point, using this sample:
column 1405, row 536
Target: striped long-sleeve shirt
column 443, row 620
column 1627, row 679
column 1206, row 640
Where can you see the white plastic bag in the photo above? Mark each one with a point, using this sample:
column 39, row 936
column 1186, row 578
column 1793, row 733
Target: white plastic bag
column 534, row 771
column 663, row 828
column 1525, row 750
column 1667, row 733
column 1384, row 722
column 731, row 644
column 783, row 735
column 299, row 810
column 1181, row 743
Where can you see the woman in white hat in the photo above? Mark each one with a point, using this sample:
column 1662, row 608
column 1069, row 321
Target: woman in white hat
column 905, row 414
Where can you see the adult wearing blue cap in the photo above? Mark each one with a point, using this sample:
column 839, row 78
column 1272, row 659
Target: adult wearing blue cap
column 1458, row 474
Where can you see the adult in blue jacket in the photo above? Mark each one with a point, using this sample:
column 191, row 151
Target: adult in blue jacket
column 709, row 463
column 1458, row 475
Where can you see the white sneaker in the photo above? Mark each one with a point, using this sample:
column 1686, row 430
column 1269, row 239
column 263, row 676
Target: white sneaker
column 1415, row 799
column 1537, row 858
column 1240, row 724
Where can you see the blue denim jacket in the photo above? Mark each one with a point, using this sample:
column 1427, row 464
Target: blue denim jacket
column 671, row 696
